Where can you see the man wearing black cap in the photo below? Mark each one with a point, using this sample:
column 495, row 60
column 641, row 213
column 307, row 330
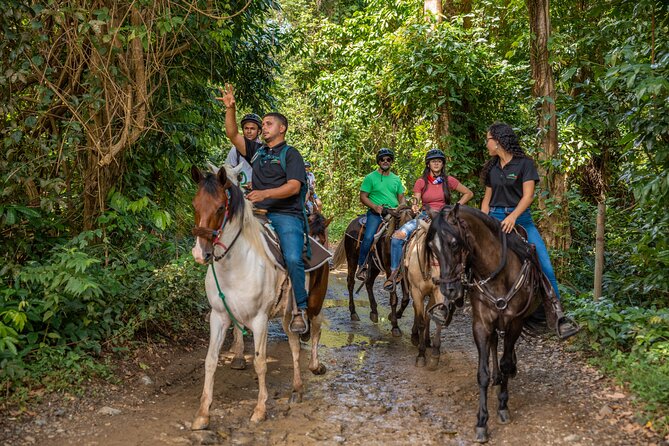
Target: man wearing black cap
column 251, row 124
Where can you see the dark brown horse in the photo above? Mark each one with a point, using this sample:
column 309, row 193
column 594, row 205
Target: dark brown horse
column 244, row 286
column 349, row 249
column 504, row 281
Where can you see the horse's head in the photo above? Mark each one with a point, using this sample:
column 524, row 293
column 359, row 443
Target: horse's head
column 215, row 203
column 446, row 240
column 318, row 227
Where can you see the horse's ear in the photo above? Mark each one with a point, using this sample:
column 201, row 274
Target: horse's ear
column 212, row 167
column 423, row 224
column 222, row 176
column 328, row 221
column 195, row 174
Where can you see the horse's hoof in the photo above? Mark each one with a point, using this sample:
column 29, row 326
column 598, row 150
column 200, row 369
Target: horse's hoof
column 433, row 363
column 374, row 317
column 414, row 340
column 200, row 423
column 503, row 416
column 238, row 364
column 295, row 397
column 420, row 361
column 320, row 370
column 257, row 416
column 481, row 435
column 396, row 332
column 355, row 317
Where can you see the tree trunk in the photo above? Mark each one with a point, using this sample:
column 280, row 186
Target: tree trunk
column 434, row 7
column 599, row 246
column 554, row 227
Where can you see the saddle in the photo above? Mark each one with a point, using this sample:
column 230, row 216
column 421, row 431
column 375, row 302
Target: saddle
column 319, row 254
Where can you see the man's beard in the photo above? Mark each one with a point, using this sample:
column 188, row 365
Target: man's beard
column 386, row 168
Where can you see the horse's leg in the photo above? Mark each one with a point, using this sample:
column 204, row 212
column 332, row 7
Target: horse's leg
column 496, row 377
column 419, row 322
column 482, row 340
column 238, row 361
column 294, row 342
column 393, row 314
column 259, row 327
column 369, row 285
column 352, row 264
column 406, row 297
column 316, row 367
column 435, row 357
column 508, row 369
column 218, row 328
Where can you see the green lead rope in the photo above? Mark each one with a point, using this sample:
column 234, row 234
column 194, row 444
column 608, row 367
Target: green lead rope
column 225, row 304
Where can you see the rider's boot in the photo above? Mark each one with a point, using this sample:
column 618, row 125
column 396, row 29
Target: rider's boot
column 564, row 326
column 361, row 273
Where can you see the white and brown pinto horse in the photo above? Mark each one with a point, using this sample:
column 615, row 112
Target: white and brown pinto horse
column 244, row 286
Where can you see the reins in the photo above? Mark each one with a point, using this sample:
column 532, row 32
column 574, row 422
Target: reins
column 499, row 303
column 216, row 235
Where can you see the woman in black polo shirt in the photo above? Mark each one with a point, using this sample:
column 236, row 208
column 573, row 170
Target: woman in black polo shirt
column 510, row 177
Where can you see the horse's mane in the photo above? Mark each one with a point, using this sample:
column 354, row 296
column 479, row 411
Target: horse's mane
column 240, row 210
column 514, row 242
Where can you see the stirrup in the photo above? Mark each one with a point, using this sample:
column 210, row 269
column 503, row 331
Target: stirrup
column 361, row 273
column 303, row 313
column 569, row 330
column 391, row 283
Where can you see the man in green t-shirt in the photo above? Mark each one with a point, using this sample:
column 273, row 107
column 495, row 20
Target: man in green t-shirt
column 379, row 189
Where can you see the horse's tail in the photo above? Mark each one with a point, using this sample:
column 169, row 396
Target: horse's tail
column 340, row 254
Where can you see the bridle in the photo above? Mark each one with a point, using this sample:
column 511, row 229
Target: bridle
column 499, row 303
column 215, row 234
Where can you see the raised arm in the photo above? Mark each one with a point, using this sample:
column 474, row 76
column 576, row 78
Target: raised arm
column 231, row 129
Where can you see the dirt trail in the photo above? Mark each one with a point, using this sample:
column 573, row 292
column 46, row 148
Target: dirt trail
column 371, row 394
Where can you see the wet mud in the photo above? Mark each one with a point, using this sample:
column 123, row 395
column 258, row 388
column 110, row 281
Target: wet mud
column 371, row 394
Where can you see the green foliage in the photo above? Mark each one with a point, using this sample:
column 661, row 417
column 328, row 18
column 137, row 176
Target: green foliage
column 632, row 343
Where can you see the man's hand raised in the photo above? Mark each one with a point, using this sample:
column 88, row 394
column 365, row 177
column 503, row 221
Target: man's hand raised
column 227, row 96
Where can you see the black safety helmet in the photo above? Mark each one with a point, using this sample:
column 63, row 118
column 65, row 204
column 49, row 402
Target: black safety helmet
column 434, row 154
column 385, row 152
column 252, row 117
column 307, row 164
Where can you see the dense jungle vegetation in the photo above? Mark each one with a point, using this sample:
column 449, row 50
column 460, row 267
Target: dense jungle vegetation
column 106, row 105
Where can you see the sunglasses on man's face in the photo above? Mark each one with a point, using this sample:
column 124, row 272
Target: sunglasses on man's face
column 386, row 159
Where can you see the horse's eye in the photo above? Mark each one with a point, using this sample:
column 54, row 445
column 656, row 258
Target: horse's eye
column 453, row 243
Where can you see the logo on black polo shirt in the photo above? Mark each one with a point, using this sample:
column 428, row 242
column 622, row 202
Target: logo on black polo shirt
column 512, row 176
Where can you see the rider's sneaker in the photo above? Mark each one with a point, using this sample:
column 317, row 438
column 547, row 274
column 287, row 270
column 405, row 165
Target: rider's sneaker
column 299, row 323
column 361, row 273
column 566, row 328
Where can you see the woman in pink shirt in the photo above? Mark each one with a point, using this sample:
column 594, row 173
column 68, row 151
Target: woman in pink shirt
column 433, row 189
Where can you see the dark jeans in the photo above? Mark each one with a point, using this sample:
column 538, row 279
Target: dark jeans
column 290, row 230
column 533, row 236
column 373, row 223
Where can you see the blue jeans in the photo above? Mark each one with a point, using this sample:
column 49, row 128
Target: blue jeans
column 533, row 236
column 373, row 223
column 397, row 244
column 290, row 229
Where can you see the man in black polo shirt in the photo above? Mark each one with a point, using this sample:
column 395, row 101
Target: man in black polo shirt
column 276, row 188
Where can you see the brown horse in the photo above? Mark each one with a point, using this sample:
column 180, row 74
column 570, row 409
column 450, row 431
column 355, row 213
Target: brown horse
column 505, row 289
column 244, row 286
column 379, row 259
column 421, row 274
